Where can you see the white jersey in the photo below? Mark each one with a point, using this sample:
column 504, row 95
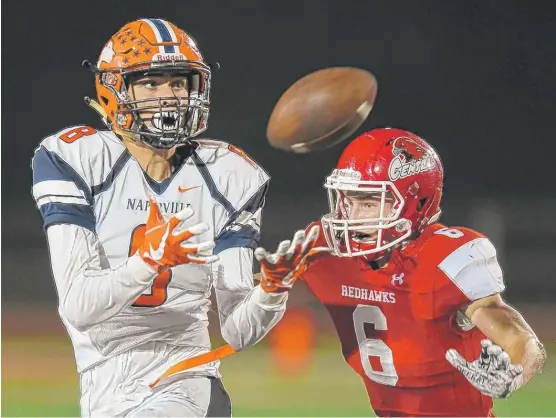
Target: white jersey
column 93, row 197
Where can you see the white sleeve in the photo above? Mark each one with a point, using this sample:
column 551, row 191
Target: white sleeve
column 247, row 313
column 89, row 292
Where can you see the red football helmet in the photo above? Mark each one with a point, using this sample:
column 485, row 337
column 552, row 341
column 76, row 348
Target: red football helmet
column 404, row 176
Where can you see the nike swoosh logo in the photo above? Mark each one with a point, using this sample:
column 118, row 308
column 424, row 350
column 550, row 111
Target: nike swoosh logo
column 182, row 190
column 157, row 254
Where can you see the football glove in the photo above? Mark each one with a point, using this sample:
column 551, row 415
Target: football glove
column 280, row 270
column 492, row 373
column 166, row 243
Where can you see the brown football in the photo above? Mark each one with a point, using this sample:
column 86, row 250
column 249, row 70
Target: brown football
column 321, row 109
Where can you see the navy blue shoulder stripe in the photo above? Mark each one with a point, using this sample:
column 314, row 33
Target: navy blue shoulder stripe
column 47, row 165
column 118, row 167
column 246, row 236
column 252, row 205
column 209, row 181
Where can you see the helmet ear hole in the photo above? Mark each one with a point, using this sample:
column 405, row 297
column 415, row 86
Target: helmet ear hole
column 421, row 204
column 104, row 100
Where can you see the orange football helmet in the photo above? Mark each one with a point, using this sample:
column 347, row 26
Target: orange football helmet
column 148, row 46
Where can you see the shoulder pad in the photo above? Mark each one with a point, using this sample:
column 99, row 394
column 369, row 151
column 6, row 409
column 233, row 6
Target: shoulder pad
column 473, row 267
column 82, row 150
column 235, row 175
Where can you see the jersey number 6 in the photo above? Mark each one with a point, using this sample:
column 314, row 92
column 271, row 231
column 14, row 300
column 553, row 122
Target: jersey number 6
column 159, row 288
column 368, row 314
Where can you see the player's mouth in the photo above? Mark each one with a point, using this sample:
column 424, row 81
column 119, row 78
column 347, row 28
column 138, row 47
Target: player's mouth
column 167, row 121
column 364, row 238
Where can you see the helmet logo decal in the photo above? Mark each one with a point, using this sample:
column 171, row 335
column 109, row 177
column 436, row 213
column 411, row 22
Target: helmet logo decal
column 410, row 158
column 109, row 79
column 169, row 57
column 107, row 54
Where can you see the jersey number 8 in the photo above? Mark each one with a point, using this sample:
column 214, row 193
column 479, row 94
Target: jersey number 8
column 76, row 133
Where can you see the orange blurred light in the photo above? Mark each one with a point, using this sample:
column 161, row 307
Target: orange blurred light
column 292, row 341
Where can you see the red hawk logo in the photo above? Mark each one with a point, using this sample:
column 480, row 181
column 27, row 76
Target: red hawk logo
column 407, row 147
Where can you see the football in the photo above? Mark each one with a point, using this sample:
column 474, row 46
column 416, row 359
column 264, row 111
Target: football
column 321, row 109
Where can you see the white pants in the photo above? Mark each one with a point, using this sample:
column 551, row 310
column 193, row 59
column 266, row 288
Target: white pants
column 120, row 387
column 190, row 397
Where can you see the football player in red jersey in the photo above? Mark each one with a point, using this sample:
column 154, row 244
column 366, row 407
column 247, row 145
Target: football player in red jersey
column 416, row 304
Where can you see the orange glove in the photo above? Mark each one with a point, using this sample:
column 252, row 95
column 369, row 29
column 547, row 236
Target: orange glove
column 166, row 246
column 280, row 270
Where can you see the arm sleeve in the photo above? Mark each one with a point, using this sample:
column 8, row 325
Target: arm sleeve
column 89, row 291
column 470, row 272
column 247, row 313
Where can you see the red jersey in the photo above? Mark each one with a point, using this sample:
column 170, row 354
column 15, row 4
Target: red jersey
column 396, row 323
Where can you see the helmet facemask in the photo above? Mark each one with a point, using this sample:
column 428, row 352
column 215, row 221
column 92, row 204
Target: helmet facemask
column 164, row 122
column 364, row 218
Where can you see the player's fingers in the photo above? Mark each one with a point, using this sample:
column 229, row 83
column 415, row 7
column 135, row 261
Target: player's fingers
column 456, row 360
column 515, row 370
column 503, row 361
column 310, row 239
column 262, row 255
column 295, row 244
column 494, row 350
column 279, row 254
column 484, row 358
column 181, row 216
column 303, row 262
column 486, row 343
column 155, row 216
column 181, row 236
column 198, row 248
column 190, row 231
column 282, row 249
column 199, row 228
column 307, row 246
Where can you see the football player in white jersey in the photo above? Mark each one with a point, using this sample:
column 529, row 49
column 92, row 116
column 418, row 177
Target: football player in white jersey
column 143, row 221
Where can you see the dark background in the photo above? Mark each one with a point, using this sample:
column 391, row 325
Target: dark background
column 477, row 79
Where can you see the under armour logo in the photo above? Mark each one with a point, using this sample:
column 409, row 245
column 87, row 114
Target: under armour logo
column 397, row 279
